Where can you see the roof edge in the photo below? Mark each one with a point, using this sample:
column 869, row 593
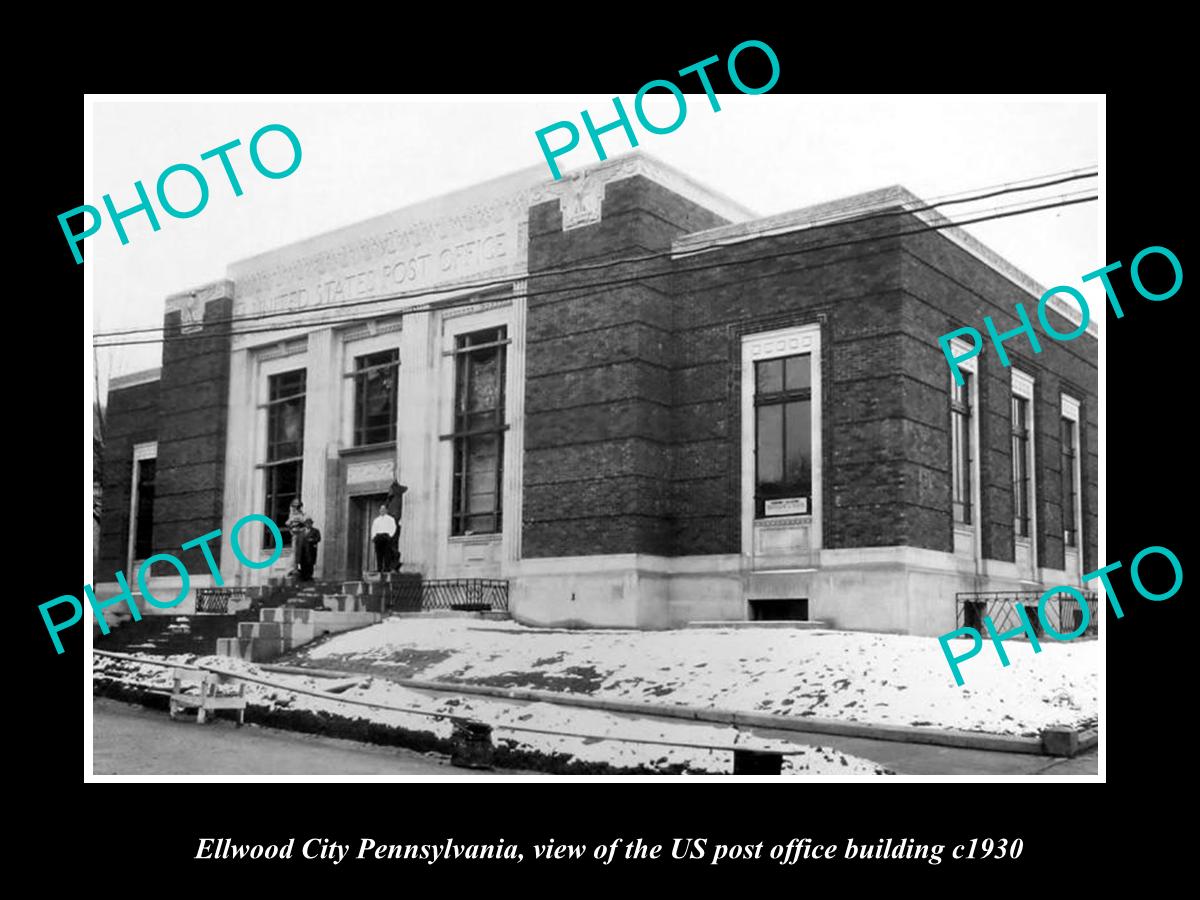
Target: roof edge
column 856, row 205
column 133, row 379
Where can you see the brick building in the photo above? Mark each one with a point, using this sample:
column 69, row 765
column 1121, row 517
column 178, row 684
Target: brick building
column 631, row 399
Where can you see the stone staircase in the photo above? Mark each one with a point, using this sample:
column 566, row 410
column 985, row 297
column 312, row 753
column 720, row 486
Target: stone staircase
column 281, row 629
column 169, row 635
column 299, row 612
column 381, row 590
column 296, row 613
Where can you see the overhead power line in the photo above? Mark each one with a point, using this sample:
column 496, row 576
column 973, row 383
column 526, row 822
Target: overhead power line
column 839, row 218
column 602, row 286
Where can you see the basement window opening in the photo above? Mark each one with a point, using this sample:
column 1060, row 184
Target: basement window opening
column 788, row 609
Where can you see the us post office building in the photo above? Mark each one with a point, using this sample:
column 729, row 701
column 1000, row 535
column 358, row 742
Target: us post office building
column 629, row 399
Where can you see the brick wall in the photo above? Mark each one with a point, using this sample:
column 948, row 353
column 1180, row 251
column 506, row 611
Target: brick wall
column 633, row 396
column 191, row 435
column 853, row 292
column 599, row 403
column 945, row 287
column 131, row 417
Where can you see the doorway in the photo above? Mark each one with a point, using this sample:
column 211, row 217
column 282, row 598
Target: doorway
column 360, row 553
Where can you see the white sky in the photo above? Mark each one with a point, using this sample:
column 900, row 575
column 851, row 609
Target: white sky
column 361, row 158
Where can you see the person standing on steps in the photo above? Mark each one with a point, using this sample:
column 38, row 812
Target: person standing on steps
column 306, row 549
column 395, row 509
column 383, row 530
column 295, row 525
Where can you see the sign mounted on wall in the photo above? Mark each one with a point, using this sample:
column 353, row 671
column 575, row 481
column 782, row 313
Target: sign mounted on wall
column 788, row 506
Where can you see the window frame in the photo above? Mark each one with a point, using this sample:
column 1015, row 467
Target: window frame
column 462, row 432
column 1023, row 389
column 271, row 467
column 359, row 378
column 962, row 458
column 968, row 534
column 140, row 485
column 1070, row 413
column 782, row 398
column 141, row 452
column 1019, row 433
column 763, row 345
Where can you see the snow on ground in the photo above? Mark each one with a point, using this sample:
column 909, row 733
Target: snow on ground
column 849, row 676
column 508, row 719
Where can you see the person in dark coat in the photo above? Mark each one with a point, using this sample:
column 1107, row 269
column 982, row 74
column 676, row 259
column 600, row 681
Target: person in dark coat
column 306, row 549
column 395, row 509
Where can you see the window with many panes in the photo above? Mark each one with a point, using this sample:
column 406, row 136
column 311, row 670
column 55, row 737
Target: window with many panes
column 783, row 431
column 1020, row 465
column 1070, row 451
column 375, row 380
column 960, row 447
column 285, row 447
column 478, row 436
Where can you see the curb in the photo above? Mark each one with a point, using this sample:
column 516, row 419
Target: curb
column 971, row 740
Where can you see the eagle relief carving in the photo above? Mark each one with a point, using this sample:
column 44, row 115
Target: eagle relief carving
column 581, row 203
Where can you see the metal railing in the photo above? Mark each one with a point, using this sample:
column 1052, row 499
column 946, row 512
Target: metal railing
column 216, row 600
column 478, row 594
column 1063, row 612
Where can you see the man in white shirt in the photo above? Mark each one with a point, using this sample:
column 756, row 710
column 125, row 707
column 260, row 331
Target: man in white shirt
column 382, row 530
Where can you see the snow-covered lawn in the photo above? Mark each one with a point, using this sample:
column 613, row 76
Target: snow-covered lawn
column 850, row 676
column 505, row 717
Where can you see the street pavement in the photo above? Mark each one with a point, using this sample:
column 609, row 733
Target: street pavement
column 133, row 740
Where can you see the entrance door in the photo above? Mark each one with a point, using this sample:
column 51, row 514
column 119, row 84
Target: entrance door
column 360, row 552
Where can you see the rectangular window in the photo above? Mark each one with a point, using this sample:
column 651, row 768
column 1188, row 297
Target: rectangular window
column 479, row 372
column 375, row 381
column 1020, row 465
column 285, row 448
column 1070, row 445
column 960, row 447
column 783, row 431
column 143, row 545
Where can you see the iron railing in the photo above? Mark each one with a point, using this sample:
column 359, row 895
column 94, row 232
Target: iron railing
column 216, row 600
column 472, row 594
column 1063, row 612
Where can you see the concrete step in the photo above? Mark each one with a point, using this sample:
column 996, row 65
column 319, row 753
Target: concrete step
column 250, row 649
column 489, row 614
column 333, row 622
column 344, row 603
column 282, row 629
column 285, row 614
column 765, row 623
column 388, row 577
column 291, row 633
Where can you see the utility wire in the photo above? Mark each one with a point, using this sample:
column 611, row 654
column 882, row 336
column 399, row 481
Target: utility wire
column 839, row 218
column 475, row 298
